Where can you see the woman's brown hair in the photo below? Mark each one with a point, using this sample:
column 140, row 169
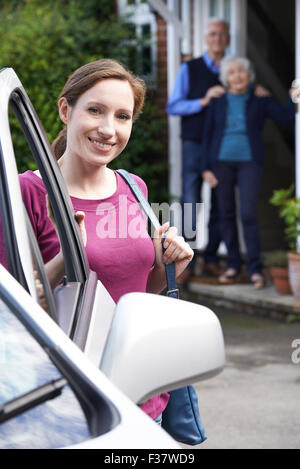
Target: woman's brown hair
column 85, row 78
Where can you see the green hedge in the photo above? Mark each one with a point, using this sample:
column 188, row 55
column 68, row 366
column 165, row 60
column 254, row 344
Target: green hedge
column 44, row 41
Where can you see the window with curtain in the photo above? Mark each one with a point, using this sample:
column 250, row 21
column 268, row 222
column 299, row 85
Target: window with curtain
column 141, row 52
column 227, row 10
column 214, row 8
column 220, row 9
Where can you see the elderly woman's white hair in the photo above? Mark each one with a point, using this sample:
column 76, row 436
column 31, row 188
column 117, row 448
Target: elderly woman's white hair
column 227, row 61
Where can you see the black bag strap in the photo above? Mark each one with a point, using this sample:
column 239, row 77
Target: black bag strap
column 172, row 289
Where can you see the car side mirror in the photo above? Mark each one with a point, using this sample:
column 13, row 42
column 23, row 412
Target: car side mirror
column 157, row 344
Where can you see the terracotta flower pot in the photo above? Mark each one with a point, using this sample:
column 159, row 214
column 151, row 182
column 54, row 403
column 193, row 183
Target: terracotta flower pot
column 294, row 273
column 280, row 279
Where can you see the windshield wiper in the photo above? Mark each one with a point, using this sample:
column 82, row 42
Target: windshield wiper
column 31, row 399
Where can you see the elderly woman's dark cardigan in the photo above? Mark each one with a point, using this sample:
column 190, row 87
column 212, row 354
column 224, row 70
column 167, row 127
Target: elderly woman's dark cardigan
column 257, row 111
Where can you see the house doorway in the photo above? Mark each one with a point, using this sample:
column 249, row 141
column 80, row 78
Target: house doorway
column 271, row 47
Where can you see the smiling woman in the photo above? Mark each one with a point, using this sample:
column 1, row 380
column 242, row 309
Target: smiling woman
column 98, row 106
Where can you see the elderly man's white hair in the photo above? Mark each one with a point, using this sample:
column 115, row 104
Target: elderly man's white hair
column 227, row 61
column 215, row 20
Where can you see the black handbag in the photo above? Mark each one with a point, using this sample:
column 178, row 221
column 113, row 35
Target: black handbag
column 181, row 418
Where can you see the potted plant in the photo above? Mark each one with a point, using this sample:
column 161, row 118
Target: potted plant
column 277, row 264
column 289, row 211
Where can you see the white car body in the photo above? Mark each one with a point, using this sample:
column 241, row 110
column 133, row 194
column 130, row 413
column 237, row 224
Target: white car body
column 144, row 345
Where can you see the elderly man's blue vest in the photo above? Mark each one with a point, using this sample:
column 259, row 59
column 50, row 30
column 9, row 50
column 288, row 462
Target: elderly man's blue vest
column 200, row 80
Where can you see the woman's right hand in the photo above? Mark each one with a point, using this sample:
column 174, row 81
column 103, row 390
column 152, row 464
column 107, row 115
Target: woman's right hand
column 79, row 217
column 210, row 178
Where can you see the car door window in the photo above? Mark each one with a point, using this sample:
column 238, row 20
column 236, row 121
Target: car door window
column 24, row 367
column 9, row 252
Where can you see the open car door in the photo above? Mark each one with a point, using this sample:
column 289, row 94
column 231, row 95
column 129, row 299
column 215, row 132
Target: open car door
column 77, row 302
column 181, row 342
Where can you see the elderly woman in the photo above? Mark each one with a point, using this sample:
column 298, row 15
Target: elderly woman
column 234, row 157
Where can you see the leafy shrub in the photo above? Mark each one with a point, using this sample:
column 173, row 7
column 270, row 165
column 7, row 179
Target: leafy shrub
column 289, row 211
column 45, row 41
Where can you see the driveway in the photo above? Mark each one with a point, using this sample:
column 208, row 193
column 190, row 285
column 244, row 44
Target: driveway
column 255, row 402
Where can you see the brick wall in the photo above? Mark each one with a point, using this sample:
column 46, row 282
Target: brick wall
column 161, row 92
column 161, row 89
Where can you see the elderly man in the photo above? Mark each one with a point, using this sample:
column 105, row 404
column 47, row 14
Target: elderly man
column 196, row 84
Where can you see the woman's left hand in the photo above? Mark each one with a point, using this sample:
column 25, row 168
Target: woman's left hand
column 176, row 249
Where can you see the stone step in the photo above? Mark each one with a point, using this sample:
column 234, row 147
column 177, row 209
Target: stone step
column 244, row 298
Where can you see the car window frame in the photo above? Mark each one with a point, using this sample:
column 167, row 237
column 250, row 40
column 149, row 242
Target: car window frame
column 40, row 270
